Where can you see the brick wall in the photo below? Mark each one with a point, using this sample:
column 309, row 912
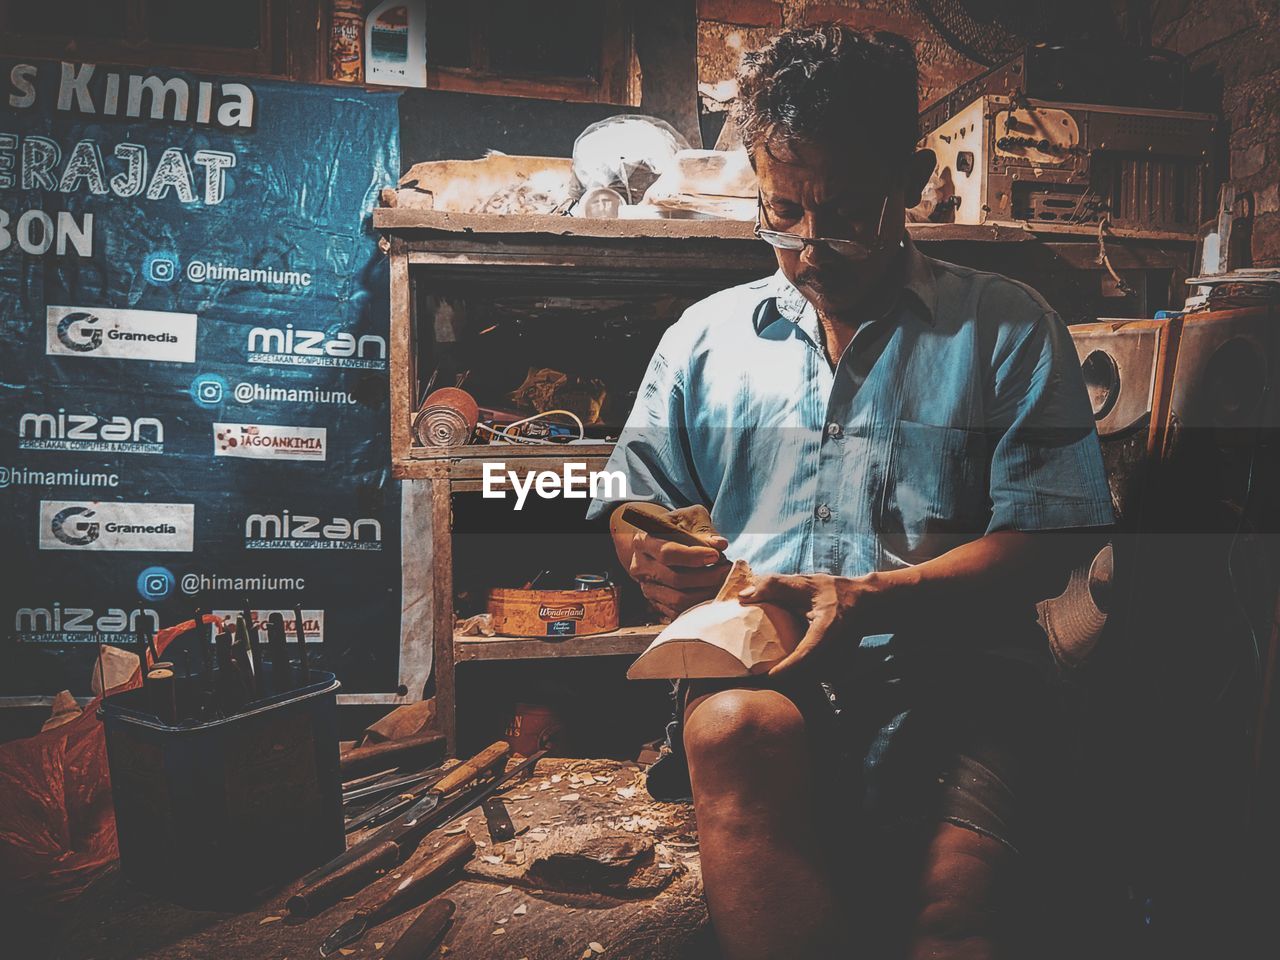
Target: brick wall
column 727, row 28
column 1235, row 44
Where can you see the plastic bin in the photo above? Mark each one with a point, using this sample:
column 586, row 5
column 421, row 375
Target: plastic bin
column 214, row 812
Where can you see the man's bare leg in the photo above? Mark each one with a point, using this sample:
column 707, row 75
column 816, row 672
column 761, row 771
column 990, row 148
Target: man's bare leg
column 766, row 881
column 965, row 878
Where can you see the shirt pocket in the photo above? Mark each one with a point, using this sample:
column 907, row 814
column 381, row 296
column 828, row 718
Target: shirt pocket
column 935, row 495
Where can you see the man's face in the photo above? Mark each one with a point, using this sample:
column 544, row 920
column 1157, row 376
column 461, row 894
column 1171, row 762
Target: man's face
column 818, row 191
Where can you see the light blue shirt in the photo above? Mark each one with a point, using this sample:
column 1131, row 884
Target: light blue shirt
column 960, row 412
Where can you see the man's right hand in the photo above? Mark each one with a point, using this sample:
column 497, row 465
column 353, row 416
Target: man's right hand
column 671, row 576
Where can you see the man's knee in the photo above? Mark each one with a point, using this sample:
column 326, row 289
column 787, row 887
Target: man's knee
column 755, row 725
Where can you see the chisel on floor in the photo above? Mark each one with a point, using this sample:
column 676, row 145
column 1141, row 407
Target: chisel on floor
column 414, row 885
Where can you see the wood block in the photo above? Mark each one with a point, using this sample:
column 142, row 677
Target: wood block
column 721, row 638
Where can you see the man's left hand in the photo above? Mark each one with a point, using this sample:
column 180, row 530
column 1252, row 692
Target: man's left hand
column 837, row 609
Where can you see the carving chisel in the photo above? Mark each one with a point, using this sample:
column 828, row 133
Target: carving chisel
column 392, row 753
column 456, row 779
column 385, row 809
column 423, row 779
column 401, row 894
column 377, row 854
column 659, row 526
column 424, row 933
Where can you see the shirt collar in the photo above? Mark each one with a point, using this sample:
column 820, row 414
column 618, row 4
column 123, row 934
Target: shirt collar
column 790, row 304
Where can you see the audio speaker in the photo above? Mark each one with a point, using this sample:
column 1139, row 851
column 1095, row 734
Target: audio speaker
column 1126, row 366
column 1209, row 555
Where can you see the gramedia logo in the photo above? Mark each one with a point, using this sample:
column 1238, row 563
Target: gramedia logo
column 77, row 533
column 85, row 337
column 155, row 583
column 208, row 390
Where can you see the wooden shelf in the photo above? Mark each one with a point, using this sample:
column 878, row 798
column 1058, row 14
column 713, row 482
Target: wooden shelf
column 466, row 470
column 627, row 641
column 412, row 219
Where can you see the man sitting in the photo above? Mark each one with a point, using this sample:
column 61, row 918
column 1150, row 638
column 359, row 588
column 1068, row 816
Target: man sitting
column 889, row 439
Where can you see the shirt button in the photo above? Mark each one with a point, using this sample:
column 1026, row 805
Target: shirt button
column 823, row 512
column 835, row 431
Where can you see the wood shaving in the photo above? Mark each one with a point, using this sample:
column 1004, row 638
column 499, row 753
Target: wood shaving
column 499, row 931
column 458, row 829
column 378, row 944
column 269, row 920
column 490, row 858
column 601, row 778
column 521, row 910
column 595, row 947
column 569, row 797
column 556, row 778
column 504, row 890
column 501, row 920
column 626, row 793
column 345, row 952
column 520, row 796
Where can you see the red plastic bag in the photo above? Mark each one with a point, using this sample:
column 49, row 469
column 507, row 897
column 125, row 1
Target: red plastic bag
column 57, row 824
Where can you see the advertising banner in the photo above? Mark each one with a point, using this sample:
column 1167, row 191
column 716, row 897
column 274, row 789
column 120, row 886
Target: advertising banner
column 193, row 365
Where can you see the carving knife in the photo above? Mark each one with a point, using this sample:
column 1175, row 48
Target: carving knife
column 399, row 894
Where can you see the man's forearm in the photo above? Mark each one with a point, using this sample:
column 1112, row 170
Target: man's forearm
column 1004, row 570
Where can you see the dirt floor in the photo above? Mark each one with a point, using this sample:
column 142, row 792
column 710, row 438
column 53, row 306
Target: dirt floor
column 596, row 869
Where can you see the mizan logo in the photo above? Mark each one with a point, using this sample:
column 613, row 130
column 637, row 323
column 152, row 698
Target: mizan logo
column 86, row 431
column 76, row 533
column 59, row 624
column 87, row 336
column 112, row 525
column 313, row 348
column 296, row 531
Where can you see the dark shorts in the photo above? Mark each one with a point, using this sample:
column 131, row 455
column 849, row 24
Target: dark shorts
column 905, row 745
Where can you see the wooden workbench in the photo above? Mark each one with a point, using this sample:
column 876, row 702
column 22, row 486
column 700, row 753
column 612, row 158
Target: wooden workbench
column 113, row 920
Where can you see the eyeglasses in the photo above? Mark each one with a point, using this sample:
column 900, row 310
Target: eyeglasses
column 849, row 249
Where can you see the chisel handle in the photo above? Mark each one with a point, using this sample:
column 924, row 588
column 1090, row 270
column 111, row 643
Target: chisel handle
column 414, row 883
column 303, row 666
column 465, row 772
column 420, row 939
column 657, row 525
column 331, row 888
column 390, row 754
column 278, row 645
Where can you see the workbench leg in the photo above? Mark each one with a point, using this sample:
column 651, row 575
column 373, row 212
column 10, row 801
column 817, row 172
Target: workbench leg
column 442, row 590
